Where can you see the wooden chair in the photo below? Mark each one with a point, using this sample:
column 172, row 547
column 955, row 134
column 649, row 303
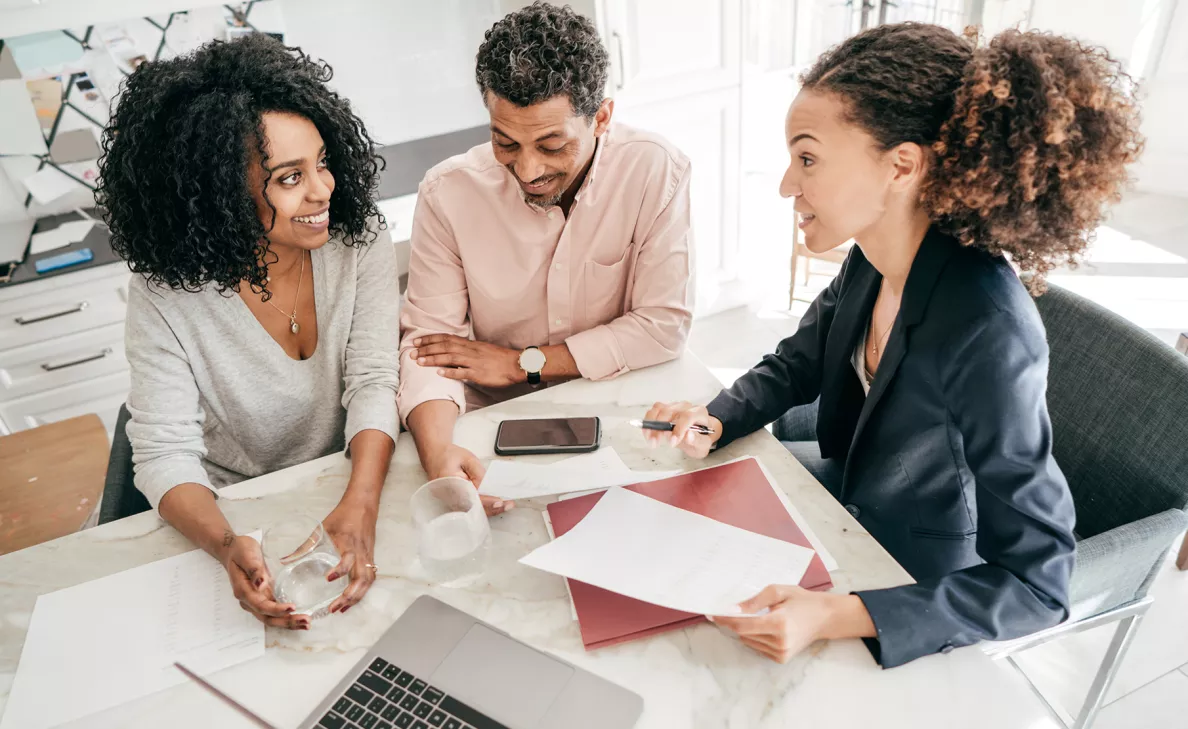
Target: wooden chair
column 51, row 480
column 800, row 250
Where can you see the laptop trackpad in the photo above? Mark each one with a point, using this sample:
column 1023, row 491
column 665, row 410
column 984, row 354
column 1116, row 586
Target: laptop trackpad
column 505, row 679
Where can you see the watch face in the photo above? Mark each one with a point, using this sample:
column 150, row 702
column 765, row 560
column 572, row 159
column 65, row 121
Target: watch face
column 532, row 360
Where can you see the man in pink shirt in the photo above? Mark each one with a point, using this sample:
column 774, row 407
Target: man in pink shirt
column 560, row 250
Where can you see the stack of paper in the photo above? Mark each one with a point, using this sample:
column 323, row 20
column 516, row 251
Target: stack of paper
column 601, row 469
column 99, row 644
column 648, row 550
column 64, row 235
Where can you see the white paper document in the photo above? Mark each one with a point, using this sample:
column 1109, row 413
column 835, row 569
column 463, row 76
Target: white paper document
column 48, row 185
column 601, row 469
column 60, row 237
column 648, row 550
column 102, row 643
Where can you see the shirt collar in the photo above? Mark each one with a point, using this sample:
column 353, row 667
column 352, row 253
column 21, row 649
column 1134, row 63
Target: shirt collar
column 599, row 145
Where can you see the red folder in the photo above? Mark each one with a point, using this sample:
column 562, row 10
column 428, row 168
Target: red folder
column 736, row 493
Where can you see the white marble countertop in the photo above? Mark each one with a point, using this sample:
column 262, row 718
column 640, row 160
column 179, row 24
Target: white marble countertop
column 697, row 677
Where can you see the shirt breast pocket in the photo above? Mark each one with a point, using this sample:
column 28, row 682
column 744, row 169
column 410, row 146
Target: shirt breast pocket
column 606, row 287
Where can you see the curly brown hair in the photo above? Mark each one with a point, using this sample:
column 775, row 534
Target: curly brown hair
column 542, row 51
column 1030, row 134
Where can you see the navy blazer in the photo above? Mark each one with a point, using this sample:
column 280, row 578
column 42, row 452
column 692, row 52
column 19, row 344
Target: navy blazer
column 948, row 460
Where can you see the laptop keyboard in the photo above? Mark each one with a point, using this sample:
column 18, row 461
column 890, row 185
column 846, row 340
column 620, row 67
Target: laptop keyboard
column 385, row 697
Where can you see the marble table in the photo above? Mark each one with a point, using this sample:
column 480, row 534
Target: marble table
column 697, row 677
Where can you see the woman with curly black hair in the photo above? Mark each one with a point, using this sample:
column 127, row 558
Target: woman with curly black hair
column 946, row 164
column 262, row 328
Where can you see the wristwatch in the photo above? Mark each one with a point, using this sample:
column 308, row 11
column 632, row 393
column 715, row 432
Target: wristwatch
column 532, row 361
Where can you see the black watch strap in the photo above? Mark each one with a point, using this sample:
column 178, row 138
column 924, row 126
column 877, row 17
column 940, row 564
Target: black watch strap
column 533, row 378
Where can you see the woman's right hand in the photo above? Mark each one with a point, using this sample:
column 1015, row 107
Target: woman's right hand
column 244, row 562
column 682, row 415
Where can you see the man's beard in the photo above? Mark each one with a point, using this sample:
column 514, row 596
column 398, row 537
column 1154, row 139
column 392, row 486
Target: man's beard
column 541, row 203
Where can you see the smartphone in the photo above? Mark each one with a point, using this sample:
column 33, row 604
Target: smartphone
column 548, row 435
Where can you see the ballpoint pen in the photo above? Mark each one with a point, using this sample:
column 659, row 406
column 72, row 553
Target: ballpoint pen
column 662, row 425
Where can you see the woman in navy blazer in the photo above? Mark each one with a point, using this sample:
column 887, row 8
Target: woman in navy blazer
column 945, row 163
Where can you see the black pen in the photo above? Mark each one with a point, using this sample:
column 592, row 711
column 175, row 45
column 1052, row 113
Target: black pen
column 662, row 425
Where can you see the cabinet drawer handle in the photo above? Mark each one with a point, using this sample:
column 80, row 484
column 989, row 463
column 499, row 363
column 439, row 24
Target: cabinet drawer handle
column 63, row 365
column 72, row 310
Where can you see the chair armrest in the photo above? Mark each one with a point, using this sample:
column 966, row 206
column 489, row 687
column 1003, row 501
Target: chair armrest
column 1117, row 567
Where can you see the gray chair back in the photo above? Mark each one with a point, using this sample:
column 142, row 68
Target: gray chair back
column 1118, row 398
column 120, row 496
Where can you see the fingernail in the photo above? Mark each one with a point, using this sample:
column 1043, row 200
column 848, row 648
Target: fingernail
column 509, row 506
column 710, row 618
column 289, row 610
column 348, row 607
column 332, row 577
column 259, row 581
column 441, row 372
column 498, row 504
column 674, row 440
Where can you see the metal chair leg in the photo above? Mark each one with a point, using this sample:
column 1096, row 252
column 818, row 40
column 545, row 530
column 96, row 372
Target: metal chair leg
column 1123, row 637
column 1127, row 617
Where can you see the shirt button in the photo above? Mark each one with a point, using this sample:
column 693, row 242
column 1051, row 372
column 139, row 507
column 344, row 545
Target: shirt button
column 854, row 510
column 557, row 266
column 552, row 215
column 557, row 322
column 947, row 648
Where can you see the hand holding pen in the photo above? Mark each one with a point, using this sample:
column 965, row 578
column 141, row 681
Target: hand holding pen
column 683, row 425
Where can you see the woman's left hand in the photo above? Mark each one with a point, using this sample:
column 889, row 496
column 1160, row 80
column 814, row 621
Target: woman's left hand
column 796, row 618
column 351, row 527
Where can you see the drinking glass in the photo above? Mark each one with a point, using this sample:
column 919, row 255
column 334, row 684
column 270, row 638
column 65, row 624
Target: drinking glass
column 453, row 536
column 299, row 554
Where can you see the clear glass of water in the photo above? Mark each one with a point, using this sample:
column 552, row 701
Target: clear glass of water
column 299, row 555
column 453, row 536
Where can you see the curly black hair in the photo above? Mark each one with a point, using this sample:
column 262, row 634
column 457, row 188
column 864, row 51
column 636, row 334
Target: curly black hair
column 1031, row 134
column 176, row 153
column 541, row 51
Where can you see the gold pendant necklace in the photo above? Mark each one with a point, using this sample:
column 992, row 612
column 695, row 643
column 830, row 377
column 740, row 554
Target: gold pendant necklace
column 293, row 325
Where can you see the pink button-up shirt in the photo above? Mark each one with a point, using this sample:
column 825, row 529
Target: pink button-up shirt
column 613, row 280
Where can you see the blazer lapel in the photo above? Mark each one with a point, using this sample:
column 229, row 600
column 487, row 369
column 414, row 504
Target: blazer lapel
column 841, row 392
column 934, row 253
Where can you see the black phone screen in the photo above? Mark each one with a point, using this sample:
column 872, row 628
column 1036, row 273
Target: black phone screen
column 558, row 432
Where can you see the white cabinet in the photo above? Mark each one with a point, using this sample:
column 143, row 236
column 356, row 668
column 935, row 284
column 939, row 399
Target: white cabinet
column 34, row 317
column 671, row 48
column 676, row 69
column 102, row 396
column 62, row 348
column 710, row 139
column 61, row 362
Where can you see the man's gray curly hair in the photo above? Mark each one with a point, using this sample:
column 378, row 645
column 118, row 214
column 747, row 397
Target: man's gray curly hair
column 539, row 52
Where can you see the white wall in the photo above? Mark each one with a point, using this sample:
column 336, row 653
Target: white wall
column 56, row 14
column 1150, row 37
column 406, row 65
column 1164, row 166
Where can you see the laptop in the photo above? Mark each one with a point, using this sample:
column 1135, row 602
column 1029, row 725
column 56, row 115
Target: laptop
column 439, row 668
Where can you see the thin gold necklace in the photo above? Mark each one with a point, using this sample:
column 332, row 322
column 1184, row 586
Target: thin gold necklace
column 886, row 331
column 293, row 325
